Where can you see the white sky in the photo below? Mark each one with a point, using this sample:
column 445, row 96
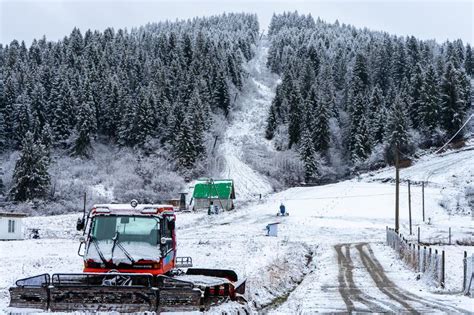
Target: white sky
column 440, row 20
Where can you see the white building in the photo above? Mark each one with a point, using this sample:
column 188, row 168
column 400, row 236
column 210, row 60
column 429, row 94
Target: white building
column 11, row 227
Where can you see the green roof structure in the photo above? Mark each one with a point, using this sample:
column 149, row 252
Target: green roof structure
column 214, row 189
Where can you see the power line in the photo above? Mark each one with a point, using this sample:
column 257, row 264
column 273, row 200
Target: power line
column 464, row 125
column 339, row 197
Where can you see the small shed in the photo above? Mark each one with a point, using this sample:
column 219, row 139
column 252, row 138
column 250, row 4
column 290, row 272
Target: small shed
column 220, row 192
column 11, row 226
column 272, row 229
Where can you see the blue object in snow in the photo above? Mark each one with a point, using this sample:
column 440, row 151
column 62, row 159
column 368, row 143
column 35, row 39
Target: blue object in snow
column 282, row 209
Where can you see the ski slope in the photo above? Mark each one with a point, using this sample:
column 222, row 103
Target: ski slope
column 247, row 126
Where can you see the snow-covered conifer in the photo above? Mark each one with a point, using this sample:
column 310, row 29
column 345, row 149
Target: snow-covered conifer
column 31, row 179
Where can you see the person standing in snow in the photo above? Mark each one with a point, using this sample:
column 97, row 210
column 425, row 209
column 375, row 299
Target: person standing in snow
column 282, row 209
column 209, row 211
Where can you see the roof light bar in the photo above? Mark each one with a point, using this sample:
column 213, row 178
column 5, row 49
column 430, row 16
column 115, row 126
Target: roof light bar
column 102, row 210
column 149, row 210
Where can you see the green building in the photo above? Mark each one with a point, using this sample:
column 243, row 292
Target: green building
column 220, row 192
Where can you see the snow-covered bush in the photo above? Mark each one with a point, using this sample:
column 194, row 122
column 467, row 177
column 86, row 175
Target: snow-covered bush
column 112, row 174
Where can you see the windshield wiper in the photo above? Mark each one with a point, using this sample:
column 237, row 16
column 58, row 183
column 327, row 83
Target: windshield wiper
column 119, row 245
column 97, row 248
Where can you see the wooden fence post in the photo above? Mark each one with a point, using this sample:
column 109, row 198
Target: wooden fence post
column 429, row 256
column 409, row 205
column 464, row 282
column 442, row 269
column 424, row 259
column 418, row 267
column 418, row 234
column 449, row 235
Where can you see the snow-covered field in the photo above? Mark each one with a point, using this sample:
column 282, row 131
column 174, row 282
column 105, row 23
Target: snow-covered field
column 347, row 217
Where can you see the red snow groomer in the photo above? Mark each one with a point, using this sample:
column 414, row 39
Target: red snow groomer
column 130, row 265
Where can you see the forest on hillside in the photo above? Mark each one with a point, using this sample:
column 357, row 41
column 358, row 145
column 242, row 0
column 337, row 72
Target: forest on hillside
column 156, row 89
column 349, row 96
column 136, row 114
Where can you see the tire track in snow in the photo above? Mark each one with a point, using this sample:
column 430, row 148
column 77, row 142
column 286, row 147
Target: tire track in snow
column 349, row 291
column 248, row 127
column 390, row 289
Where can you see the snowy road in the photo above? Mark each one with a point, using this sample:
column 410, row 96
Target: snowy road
column 247, row 126
column 395, row 299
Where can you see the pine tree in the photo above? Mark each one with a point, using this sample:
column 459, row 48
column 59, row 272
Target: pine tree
column 145, row 120
column 22, row 119
column 415, row 90
column 221, row 97
column 3, row 134
column 62, row 120
column 307, row 80
column 469, row 61
column 2, row 186
column 398, row 125
column 295, row 116
column 198, row 123
column 376, row 111
column 38, row 105
column 429, row 112
column 361, row 142
column 452, row 101
column 271, row 124
column 82, row 139
column 321, row 121
column 399, row 65
column 184, row 147
column 379, row 125
column 31, row 179
column 309, row 157
column 360, row 75
column 46, row 137
column 127, row 129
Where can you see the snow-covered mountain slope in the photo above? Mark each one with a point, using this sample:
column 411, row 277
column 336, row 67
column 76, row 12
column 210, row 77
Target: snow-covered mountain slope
column 247, row 126
column 451, row 173
column 448, row 168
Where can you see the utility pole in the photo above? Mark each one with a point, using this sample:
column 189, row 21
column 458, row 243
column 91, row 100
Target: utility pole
column 409, row 205
column 397, row 189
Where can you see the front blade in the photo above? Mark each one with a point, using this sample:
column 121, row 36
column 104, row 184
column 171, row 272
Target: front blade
column 31, row 292
column 29, row 297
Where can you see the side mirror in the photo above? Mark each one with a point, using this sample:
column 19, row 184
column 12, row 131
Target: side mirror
column 82, row 239
column 80, row 224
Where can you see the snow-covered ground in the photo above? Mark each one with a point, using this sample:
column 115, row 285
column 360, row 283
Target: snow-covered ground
column 298, row 271
column 247, row 126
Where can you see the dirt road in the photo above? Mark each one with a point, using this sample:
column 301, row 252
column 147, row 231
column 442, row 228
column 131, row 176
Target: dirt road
column 382, row 295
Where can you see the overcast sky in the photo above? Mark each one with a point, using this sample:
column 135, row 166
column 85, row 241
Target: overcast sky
column 440, row 20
